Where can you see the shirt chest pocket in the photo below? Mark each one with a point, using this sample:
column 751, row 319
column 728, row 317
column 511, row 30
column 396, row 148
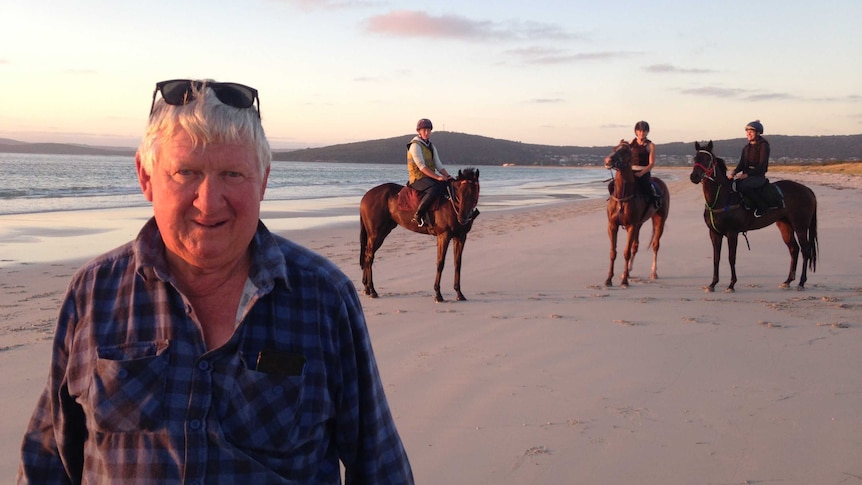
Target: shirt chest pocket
column 128, row 387
column 270, row 413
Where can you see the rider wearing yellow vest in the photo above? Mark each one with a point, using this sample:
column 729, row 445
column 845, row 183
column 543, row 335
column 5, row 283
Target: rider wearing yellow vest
column 427, row 173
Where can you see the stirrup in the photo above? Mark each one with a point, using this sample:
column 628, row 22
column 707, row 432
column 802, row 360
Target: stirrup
column 419, row 220
column 757, row 213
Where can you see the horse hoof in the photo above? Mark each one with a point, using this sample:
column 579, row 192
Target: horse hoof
column 784, row 285
column 729, row 290
column 708, row 289
column 461, row 298
column 373, row 294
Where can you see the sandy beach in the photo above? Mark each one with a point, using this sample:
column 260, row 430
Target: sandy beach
column 546, row 376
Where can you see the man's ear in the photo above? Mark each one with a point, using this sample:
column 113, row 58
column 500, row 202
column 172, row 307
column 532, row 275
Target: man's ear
column 144, row 179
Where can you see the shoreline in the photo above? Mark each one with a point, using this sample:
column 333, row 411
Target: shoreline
column 546, row 376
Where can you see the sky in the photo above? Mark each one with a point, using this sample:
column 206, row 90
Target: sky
column 567, row 72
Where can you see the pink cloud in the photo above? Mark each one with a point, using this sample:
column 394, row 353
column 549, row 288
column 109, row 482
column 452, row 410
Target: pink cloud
column 411, row 23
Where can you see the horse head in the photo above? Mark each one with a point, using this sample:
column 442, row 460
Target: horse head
column 621, row 157
column 465, row 194
column 705, row 164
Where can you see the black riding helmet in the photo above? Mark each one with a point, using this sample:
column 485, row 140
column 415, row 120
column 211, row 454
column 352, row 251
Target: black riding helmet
column 642, row 125
column 424, row 123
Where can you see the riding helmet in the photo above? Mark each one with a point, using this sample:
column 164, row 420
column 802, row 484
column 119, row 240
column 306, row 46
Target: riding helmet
column 756, row 126
column 424, row 123
column 642, row 125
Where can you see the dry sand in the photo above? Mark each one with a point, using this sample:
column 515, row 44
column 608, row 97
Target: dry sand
column 545, row 376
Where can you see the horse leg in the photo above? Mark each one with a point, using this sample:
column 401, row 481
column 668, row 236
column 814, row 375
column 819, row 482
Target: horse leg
column 732, row 242
column 373, row 240
column 657, row 231
column 458, row 248
column 630, row 251
column 442, row 247
column 367, row 263
column 716, row 258
column 613, row 228
column 790, row 241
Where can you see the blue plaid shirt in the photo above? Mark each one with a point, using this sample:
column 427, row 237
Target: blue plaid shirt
column 134, row 396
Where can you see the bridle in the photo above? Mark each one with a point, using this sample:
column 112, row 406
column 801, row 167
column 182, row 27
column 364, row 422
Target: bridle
column 708, row 170
column 453, row 199
column 616, row 161
column 615, row 158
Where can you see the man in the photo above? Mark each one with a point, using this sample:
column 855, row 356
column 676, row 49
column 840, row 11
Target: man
column 209, row 350
column 427, row 173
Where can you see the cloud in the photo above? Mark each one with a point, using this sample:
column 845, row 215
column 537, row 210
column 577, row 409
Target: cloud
column 770, row 97
column 670, row 68
column 552, row 56
column 743, row 94
column 547, row 101
column 715, row 92
column 411, row 23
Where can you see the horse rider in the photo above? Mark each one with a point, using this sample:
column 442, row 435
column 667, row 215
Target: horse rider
column 643, row 160
column 427, row 173
column 750, row 172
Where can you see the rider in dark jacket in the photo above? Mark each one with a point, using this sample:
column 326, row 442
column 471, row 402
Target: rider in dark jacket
column 750, row 172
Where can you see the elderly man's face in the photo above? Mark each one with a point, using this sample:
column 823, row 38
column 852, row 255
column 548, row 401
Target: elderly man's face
column 206, row 200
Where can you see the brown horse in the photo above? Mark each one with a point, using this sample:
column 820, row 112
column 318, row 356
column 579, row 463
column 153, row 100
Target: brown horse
column 726, row 216
column 379, row 213
column 628, row 208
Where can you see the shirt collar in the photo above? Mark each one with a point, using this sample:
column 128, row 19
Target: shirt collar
column 267, row 264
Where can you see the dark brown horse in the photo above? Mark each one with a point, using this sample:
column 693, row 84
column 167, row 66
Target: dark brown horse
column 726, row 216
column 628, row 208
column 379, row 213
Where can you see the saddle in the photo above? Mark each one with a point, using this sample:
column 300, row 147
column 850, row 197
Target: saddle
column 656, row 190
column 769, row 193
column 408, row 200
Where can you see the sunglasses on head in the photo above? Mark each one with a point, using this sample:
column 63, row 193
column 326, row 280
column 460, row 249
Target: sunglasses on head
column 178, row 92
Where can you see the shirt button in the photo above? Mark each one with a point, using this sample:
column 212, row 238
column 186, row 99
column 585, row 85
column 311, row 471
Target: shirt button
column 277, row 390
column 122, row 374
column 204, row 365
column 195, row 424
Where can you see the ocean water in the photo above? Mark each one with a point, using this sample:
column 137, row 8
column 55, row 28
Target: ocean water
column 36, row 183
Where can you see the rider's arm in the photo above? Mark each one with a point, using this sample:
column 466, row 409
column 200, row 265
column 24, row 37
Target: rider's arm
column 439, row 163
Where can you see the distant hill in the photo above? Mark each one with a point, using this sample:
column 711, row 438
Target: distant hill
column 466, row 150
column 13, row 146
column 463, row 149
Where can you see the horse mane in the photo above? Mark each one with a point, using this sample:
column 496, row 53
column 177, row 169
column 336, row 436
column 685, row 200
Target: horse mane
column 720, row 165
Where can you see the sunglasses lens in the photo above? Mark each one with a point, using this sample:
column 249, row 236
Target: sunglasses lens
column 177, row 93
column 235, row 95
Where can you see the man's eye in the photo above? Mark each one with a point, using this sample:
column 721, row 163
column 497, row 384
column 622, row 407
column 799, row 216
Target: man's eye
column 233, row 177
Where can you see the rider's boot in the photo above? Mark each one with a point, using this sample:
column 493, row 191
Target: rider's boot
column 419, row 217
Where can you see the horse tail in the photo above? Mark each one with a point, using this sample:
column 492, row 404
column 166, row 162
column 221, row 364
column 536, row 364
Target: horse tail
column 812, row 239
column 363, row 241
